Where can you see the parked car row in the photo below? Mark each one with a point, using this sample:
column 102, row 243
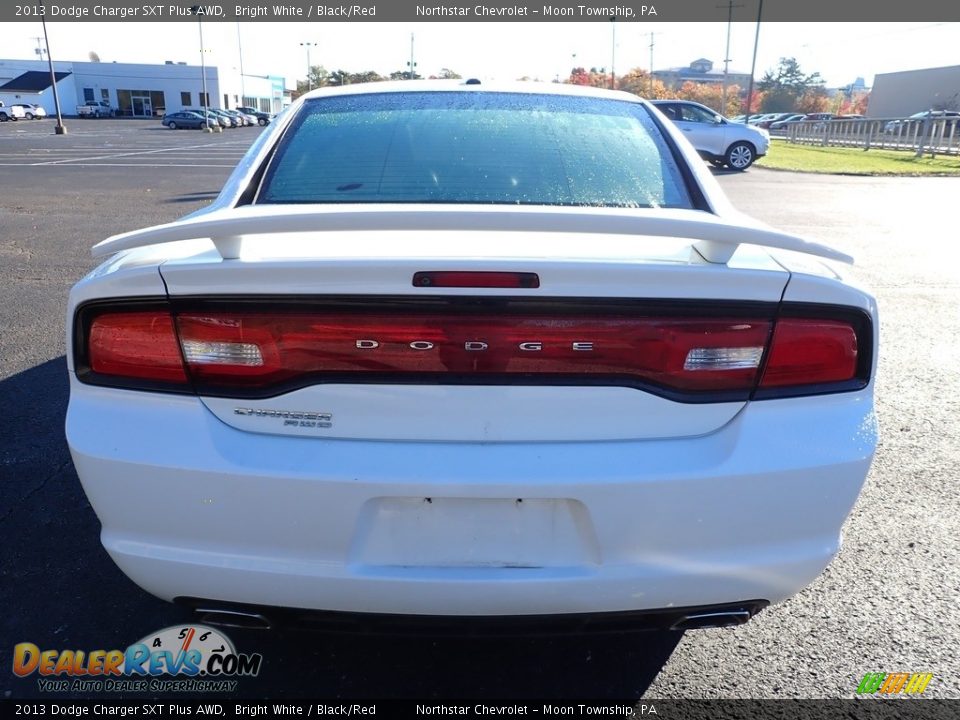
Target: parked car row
column 915, row 120
column 193, row 118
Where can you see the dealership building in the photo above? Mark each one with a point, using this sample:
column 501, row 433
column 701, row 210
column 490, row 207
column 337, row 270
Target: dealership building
column 136, row 90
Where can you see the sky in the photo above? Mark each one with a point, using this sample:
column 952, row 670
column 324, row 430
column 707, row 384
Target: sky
column 840, row 52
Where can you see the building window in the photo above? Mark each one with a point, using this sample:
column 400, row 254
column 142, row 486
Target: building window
column 226, row 101
column 204, row 99
column 88, row 95
column 185, row 99
column 105, row 95
column 264, row 105
column 249, row 101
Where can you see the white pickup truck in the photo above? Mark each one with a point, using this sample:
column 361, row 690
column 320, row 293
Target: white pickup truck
column 95, row 109
column 12, row 112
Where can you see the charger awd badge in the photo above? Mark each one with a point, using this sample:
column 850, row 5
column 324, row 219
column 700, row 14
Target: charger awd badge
column 290, row 418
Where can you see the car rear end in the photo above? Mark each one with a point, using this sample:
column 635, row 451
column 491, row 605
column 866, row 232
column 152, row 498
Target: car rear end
column 437, row 400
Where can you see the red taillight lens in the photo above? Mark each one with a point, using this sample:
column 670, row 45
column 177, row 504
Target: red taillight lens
column 259, row 350
column 224, row 349
column 139, row 345
column 811, row 352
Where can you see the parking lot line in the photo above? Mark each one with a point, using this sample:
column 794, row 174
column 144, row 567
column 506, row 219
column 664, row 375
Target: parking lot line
column 113, row 156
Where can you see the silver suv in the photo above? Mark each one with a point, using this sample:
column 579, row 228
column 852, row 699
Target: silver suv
column 718, row 140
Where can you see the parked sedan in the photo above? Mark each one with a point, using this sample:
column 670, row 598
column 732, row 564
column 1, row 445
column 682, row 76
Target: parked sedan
column 240, row 118
column 471, row 351
column 718, row 140
column 784, row 123
column 184, row 119
column 263, row 118
column 214, row 117
column 31, row 112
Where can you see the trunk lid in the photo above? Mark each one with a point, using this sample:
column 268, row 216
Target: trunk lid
column 358, row 286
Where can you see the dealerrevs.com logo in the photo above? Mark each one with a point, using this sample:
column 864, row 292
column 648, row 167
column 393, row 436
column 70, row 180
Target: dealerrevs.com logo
column 192, row 658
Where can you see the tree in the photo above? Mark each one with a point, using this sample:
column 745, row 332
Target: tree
column 784, row 87
column 365, row 77
column 593, row 78
column 448, row 74
column 340, row 77
column 637, row 81
column 319, row 77
column 403, row 75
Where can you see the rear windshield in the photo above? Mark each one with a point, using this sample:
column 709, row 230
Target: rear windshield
column 474, row 147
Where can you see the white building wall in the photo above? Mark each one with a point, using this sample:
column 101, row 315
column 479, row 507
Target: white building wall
column 157, row 83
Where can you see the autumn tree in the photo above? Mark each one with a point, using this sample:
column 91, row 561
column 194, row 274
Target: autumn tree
column 592, row 78
column 637, row 81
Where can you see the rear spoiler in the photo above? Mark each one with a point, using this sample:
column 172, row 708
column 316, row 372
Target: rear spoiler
column 716, row 238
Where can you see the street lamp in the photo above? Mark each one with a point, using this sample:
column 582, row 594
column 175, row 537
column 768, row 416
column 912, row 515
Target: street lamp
column 309, row 45
column 412, row 64
column 60, row 129
column 753, row 65
column 205, row 100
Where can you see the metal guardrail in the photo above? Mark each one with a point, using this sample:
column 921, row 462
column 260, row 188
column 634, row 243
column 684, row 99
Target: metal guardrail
column 928, row 136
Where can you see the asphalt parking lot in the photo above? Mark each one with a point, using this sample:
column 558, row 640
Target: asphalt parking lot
column 888, row 603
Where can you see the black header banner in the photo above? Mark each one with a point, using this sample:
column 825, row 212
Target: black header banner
column 489, row 11
column 218, row 706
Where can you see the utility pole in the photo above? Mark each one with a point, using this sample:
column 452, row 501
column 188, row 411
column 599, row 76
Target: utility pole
column 651, row 64
column 39, row 51
column 726, row 58
column 613, row 52
column 753, row 64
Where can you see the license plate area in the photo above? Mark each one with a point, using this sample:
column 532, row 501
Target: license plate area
column 445, row 532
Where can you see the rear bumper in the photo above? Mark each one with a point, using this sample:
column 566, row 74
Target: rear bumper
column 262, row 617
column 192, row 508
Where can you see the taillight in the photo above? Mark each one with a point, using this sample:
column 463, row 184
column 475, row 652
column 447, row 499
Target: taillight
column 140, row 345
column 688, row 351
column 811, row 352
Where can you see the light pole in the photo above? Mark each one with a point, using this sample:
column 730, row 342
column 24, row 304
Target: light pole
column 753, row 65
column 726, row 58
column 309, row 45
column 204, row 99
column 243, row 87
column 412, row 64
column 60, row 129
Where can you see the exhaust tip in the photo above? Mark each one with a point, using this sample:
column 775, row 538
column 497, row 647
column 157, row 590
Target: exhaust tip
column 711, row 620
column 234, row 618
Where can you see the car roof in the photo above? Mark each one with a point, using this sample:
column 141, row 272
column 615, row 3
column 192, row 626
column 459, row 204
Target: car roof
column 516, row 86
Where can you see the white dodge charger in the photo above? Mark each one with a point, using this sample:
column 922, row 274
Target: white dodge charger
column 454, row 351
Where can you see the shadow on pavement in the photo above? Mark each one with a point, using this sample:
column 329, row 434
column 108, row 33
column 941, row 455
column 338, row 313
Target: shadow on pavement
column 60, row 590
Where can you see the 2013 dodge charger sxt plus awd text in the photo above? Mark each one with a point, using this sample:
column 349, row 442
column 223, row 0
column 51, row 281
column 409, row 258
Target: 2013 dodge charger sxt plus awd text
column 471, row 351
